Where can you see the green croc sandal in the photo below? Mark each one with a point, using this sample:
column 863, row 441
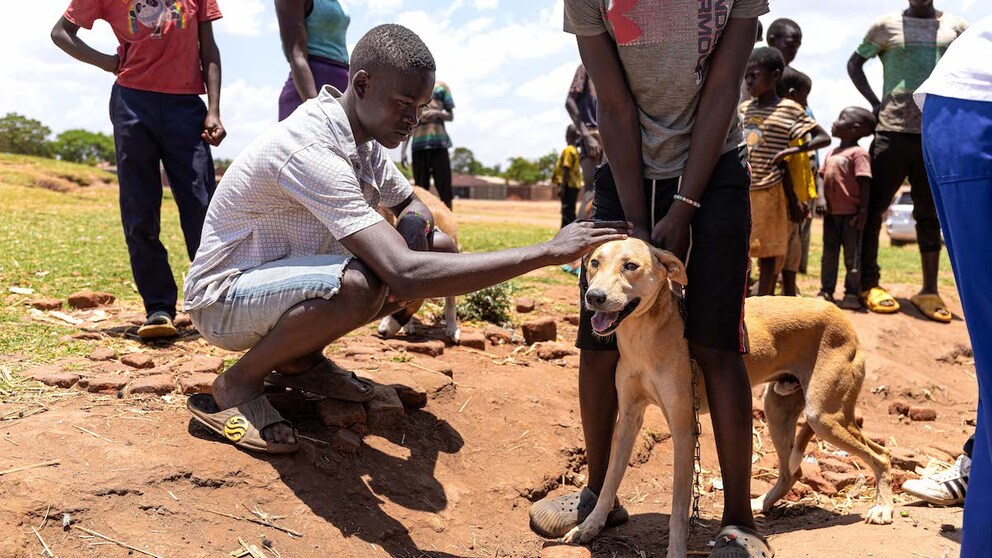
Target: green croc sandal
column 552, row 518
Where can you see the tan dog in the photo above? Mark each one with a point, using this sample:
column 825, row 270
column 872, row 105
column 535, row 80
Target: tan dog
column 444, row 220
column 808, row 343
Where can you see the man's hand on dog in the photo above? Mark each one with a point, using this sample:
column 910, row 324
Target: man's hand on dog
column 672, row 234
column 578, row 238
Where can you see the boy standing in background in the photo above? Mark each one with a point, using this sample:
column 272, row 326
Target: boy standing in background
column 846, row 182
column 567, row 176
column 770, row 123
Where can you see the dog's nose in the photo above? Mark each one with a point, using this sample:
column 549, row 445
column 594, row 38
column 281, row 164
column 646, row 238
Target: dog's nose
column 595, row 296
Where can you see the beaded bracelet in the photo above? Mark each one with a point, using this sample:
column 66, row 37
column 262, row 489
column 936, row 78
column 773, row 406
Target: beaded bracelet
column 689, row 201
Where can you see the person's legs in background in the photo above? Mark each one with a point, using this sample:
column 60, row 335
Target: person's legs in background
column 831, row 256
column 441, row 169
column 137, row 124
column 957, row 146
column 420, row 160
column 805, row 230
column 889, row 167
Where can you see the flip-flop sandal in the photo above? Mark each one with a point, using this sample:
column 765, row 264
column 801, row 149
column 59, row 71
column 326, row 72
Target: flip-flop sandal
column 241, row 425
column 159, row 324
column 933, row 307
column 878, row 300
column 329, row 380
column 850, row 302
column 741, row 542
column 552, row 518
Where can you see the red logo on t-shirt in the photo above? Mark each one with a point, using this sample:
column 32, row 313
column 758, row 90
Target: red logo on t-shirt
column 625, row 29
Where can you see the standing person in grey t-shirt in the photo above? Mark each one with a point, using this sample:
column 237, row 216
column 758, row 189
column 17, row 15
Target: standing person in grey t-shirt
column 667, row 78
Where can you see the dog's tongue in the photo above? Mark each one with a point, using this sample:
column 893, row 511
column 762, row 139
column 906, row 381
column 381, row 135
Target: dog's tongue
column 601, row 321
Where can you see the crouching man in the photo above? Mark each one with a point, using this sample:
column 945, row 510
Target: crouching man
column 294, row 255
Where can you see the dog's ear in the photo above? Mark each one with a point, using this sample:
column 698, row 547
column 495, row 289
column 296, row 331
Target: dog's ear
column 673, row 266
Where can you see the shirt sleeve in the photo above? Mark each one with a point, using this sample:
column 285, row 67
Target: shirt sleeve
column 571, row 157
column 875, row 40
column 584, row 17
column 208, row 11
column 326, row 185
column 84, row 12
column 802, row 123
column 449, row 101
column 393, row 186
column 862, row 163
column 749, row 8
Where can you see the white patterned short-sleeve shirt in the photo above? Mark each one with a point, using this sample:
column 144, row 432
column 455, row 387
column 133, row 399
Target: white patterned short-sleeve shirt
column 295, row 191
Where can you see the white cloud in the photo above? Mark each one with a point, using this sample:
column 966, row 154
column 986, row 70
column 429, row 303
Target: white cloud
column 247, row 18
column 486, row 4
column 549, row 87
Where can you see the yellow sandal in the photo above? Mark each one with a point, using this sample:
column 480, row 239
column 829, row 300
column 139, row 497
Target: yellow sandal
column 878, row 300
column 933, row 307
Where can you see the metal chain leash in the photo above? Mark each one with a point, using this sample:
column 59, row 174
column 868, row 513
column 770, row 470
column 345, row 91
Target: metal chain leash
column 697, row 464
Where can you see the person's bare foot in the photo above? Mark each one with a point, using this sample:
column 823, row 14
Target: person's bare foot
column 229, row 394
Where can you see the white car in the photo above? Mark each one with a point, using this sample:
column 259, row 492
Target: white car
column 899, row 222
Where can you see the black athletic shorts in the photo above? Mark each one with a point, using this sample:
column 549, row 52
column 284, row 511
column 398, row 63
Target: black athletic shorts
column 718, row 255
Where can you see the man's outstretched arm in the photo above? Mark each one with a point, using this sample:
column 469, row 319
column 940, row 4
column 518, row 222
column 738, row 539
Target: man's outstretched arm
column 856, row 70
column 412, row 275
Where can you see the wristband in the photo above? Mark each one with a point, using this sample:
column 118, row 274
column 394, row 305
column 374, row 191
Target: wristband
column 689, row 201
column 428, row 228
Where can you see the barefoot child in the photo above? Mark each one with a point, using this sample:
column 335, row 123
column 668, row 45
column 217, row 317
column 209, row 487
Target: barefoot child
column 770, row 123
column 294, row 254
column 846, row 180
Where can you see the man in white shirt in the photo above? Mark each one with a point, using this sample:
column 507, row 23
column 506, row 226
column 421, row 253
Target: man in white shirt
column 957, row 148
column 294, row 254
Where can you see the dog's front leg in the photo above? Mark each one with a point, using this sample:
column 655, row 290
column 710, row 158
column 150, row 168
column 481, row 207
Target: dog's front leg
column 629, row 422
column 682, row 472
column 451, row 329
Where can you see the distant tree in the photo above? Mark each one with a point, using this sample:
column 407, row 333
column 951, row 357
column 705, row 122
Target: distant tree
column 24, row 136
column 523, row 171
column 546, row 164
column 463, row 161
column 83, row 146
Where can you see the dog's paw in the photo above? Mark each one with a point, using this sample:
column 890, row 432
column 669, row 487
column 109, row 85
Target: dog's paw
column 584, row 532
column 879, row 515
column 454, row 333
column 389, row 327
column 758, row 505
column 410, row 328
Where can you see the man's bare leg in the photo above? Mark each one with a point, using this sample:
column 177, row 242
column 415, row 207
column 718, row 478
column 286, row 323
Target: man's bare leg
column 304, row 330
column 598, row 408
column 728, row 391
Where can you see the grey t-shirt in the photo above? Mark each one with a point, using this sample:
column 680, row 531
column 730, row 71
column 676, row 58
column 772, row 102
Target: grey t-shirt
column 665, row 48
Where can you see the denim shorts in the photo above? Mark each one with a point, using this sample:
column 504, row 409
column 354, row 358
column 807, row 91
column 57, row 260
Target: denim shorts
column 259, row 297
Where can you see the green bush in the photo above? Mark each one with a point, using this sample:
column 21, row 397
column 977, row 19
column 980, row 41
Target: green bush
column 83, row 146
column 23, row 136
column 491, row 304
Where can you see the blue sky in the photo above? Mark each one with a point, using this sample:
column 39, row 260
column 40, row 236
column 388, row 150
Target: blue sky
column 507, row 61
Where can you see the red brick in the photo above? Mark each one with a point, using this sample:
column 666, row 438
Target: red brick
column 899, row 407
column 554, row 351
column 525, row 305
column 87, row 298
column 433, row 347
column 182, row 320
column 497, row 335
column 922, row 414
column 386, row 411
column 46, row 304
column 561, row 550
column 813, row 476
column 202, row 364
column 103, row 383
column 159, row 384
column 541, row 329
column 906, row 459
column 434, row 383
column 834, row 466
column 51, row 375
column 572, row 319
column 200, row 382
column 341, row 414
column 138, row 360
column 346, row 441
column 473, row 340
column 103, row 353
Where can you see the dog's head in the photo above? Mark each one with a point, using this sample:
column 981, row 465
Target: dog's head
column 625, row 278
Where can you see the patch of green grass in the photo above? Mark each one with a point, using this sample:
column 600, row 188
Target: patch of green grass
column 40, row 341
column 489, row 237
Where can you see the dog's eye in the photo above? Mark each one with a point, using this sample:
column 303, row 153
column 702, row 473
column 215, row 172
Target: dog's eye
column 593, row 263
column 630, row 266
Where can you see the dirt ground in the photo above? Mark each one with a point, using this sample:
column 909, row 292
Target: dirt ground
column 456, row 477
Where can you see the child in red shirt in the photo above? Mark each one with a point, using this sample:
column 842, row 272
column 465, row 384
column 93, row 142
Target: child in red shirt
column 166, row 59
column 846, row 179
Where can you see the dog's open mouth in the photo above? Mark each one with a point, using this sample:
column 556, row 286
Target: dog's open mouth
column 604, row 323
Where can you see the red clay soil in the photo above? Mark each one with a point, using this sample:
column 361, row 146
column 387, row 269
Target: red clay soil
column 455, row 478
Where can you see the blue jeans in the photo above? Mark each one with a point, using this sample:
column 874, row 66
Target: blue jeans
column 259, row 297
column 152, row 129
column 957, row 148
